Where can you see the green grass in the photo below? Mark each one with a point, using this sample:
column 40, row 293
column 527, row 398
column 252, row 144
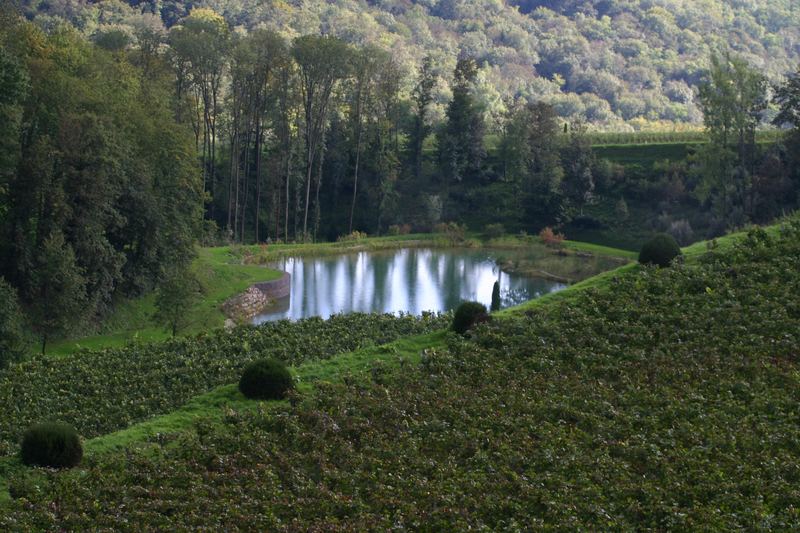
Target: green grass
column 600, row 139
column 643, row 155
column 262, row 254
column 599, row 249
column 222, row 275
column 213, row 407
column 721, row 244
column 600, row 281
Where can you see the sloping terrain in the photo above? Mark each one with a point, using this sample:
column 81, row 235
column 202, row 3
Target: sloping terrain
column 654, row 399
column 604, row 61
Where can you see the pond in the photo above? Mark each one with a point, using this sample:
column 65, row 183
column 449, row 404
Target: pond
column 410, row 280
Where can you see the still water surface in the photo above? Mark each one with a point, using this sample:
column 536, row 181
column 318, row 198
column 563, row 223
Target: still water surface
column 411, row 280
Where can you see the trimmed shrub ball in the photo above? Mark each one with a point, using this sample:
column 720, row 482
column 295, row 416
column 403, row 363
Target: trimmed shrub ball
column 660, row 250
column 267, row 379
column 52, row 444
column 467, row 315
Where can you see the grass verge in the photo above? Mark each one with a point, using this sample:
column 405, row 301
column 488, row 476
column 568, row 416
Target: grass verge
column 222, row 276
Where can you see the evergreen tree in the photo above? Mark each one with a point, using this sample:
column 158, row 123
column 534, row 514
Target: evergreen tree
column 57, row 290
column 530, row 153
column 496, row 296
column 421, row 96
column 13, row 88
column 578, row 161
column 461, row 149
column 12, row 343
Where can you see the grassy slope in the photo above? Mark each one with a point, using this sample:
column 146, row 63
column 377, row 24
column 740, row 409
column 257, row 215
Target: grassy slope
column 212, row 407
column 222, row 277
column 601, row 281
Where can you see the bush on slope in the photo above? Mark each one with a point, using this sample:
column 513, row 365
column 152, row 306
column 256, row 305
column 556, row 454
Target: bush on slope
column 667, row 403
column 106, row 390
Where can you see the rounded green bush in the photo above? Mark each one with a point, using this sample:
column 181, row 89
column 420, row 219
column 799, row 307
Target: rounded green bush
column 52, row 444
column 467, row 315
column 660, row 250
column 266, row 379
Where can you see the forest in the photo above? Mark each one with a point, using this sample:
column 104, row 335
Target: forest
column 126, row 144
column 626, row 64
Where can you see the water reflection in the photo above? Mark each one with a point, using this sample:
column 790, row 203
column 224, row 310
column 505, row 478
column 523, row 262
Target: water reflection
column 409, row 280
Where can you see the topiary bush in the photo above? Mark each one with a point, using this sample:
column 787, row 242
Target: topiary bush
column 266, row 379
column 660, row 250
column 52, row 444
column 467, row 315
column 496, row 296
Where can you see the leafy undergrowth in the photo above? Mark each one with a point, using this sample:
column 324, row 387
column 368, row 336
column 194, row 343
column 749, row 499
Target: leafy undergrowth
column 106, row 390
column 669, row 402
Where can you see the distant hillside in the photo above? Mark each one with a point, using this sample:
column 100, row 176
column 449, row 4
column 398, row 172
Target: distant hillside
column 605, row 60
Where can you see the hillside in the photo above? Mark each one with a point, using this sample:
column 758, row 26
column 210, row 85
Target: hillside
column 645, row 399
column 606, row 61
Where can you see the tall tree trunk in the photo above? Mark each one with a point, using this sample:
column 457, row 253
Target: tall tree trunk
column 236, row 196
column 288, row 177
column 317, row 208
column 247, row 159
column 234, row 173
column 259, row 135
column 355, row 183
column 309, row 172
column 359, row 134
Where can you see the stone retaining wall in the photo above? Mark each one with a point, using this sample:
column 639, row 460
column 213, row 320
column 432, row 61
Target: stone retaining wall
column 256, row 298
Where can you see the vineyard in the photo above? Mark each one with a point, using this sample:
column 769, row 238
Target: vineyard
column 601, row 138
column 666, row 400
column 106, row 390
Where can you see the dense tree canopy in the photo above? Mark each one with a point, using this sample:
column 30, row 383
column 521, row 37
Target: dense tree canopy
column 597, row 61
column 100, row 184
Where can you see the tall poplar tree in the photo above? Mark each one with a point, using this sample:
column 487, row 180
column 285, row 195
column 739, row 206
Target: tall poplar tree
column 322, row 63
column 733, row 98
column 461, row 149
